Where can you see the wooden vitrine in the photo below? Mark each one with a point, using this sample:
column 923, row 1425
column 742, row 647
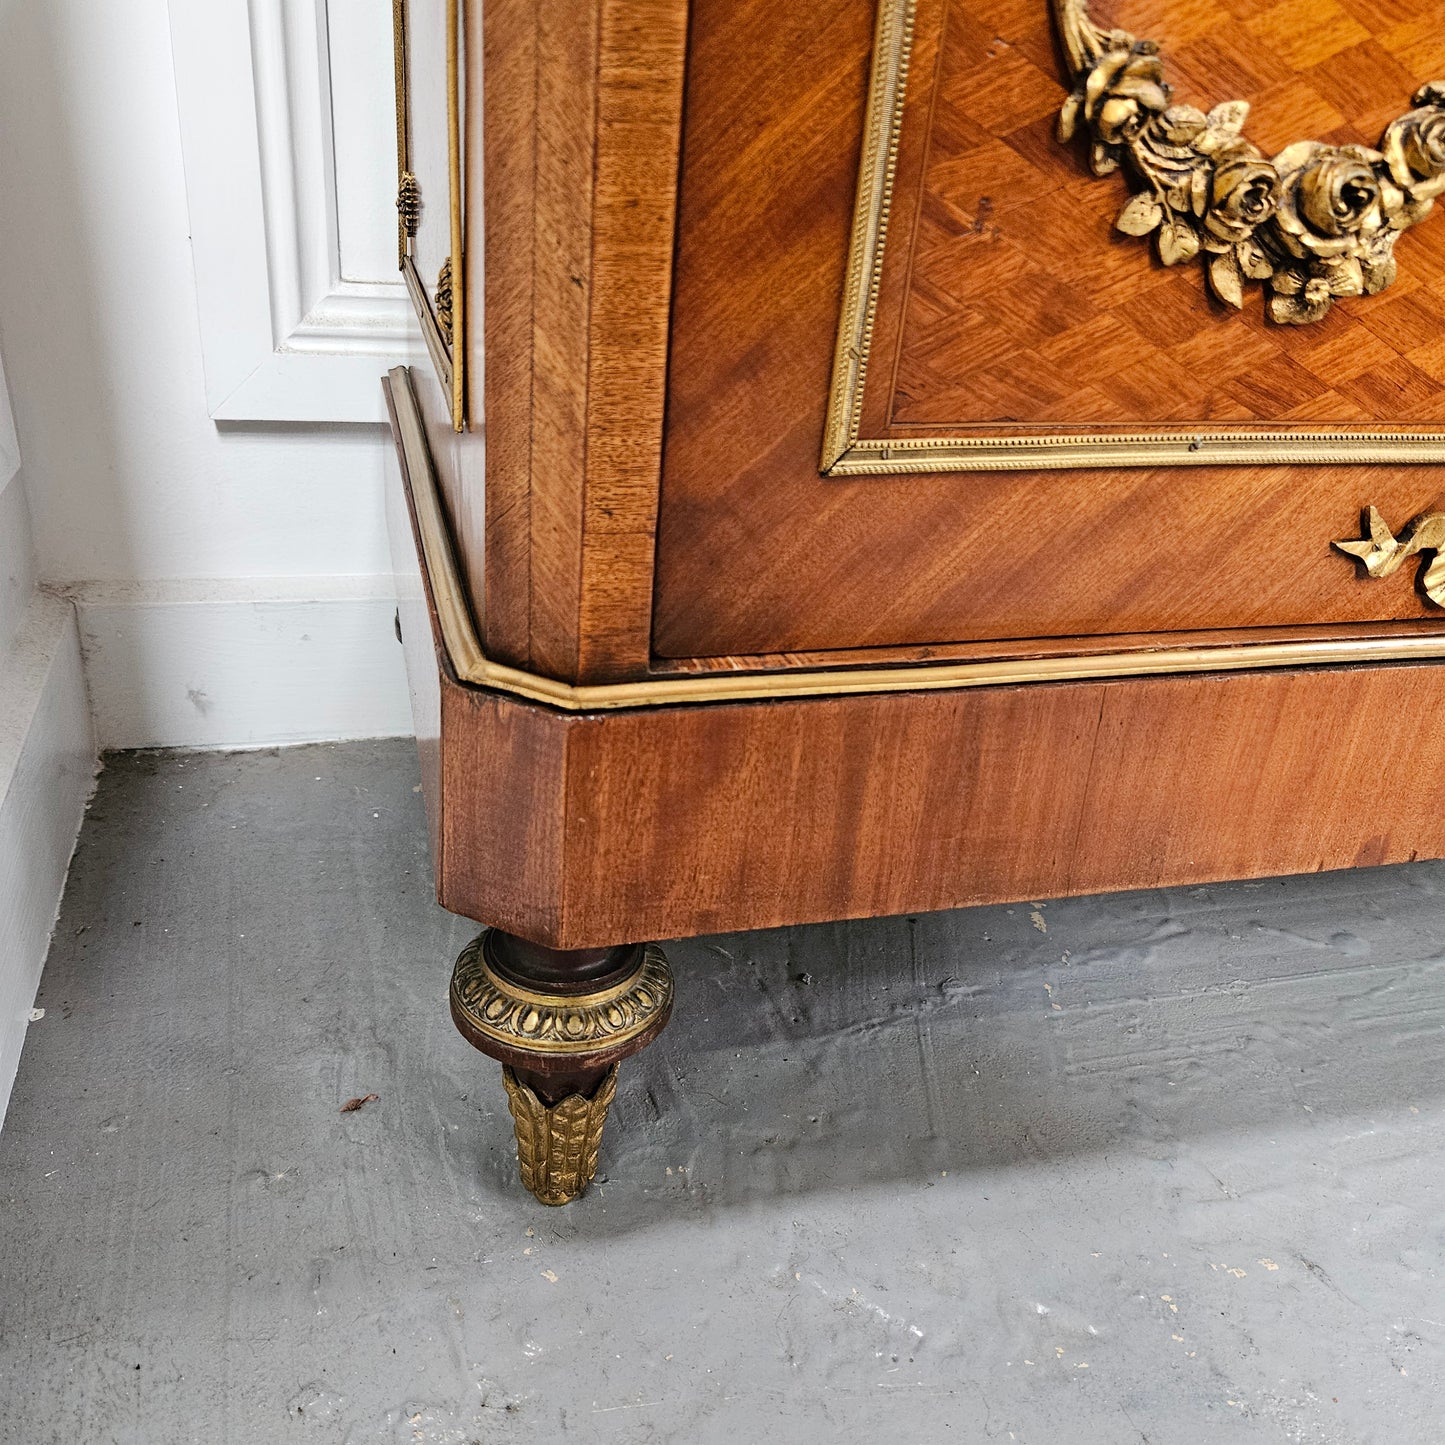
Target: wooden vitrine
column 882, row 455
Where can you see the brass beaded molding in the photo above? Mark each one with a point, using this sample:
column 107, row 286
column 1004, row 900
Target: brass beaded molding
column 1312, row 252
column 1314, row 223
column 543, row 1023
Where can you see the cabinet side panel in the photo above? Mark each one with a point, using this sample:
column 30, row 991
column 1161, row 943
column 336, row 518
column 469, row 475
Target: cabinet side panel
column 501, row 270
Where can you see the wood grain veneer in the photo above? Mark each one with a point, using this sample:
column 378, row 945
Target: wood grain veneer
column 580, row 120
column 1009, row 296
column 584, row 831
column 579, row 830
column 1006, row 294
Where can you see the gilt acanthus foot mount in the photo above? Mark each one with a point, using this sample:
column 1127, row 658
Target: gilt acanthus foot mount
column 1314, row 223
column 559, row 1021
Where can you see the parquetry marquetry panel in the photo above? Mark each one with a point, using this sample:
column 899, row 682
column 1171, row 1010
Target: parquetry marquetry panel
column 1020, row 303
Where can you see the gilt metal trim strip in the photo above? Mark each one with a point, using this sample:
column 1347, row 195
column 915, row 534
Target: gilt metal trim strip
column 443, row 329
column 846, row 453
column 456, row 327
column 408, row 201
column 471, row 665
column 882, row 125
column 431, row 332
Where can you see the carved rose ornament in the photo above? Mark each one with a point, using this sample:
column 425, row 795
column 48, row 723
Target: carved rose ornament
column 1313, row 223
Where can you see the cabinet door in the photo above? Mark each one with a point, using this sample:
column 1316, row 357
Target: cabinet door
column 927, row 385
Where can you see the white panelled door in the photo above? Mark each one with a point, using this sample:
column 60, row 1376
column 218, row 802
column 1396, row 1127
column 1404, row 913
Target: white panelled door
column 288, row 138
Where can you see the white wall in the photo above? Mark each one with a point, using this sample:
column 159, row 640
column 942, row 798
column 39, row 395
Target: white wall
column 47, row 756
column 17, row 565
column 17, row 560
column 47, row 764
column 138, row 499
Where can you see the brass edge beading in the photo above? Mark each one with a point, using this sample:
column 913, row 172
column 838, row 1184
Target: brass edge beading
column 845, row 454
column 457, row 312
column 404, row 231
column 883, row 123
column 444, row 333
column 560, row 1024
column 459, row 638
column 1314, row 223
column 443, row 577
column 1157, row 449
column 558, row 1144
column 1383, row 553
column 436, row 345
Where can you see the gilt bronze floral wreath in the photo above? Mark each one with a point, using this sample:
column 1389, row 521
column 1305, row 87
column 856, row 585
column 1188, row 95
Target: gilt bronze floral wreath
column 1315, row 222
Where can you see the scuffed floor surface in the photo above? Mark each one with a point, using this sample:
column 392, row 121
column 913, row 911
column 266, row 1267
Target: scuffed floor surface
column 1161, row 1167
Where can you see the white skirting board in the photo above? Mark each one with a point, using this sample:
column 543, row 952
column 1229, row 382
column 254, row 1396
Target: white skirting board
column 242, row 663
column 47, row 770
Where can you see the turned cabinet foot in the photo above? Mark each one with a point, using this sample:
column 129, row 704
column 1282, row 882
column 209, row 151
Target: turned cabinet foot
column 559, row 1021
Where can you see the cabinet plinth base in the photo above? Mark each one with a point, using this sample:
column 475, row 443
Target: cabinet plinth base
column 559, row 1021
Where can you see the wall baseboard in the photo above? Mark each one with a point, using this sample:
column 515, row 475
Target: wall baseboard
column 47, row 771
column 242, row 663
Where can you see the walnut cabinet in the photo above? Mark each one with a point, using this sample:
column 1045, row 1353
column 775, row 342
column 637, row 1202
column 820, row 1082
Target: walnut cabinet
column 867, row 456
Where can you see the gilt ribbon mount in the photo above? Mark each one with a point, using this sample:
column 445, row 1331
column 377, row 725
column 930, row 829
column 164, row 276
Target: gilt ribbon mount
column 1383, row 553
column 1313, row 223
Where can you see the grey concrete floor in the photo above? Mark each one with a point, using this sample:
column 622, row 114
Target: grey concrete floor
column 1161, row 1167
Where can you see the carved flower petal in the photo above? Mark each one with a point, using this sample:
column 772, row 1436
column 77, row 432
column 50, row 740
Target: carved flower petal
column 1178, row 241
column 1253, row 262
column 1295, row 157
column 1182, row 123
column 1101, row 160
column 1230, row 116
column 1140, row 215
column 1379, row 272
column 1069, row 119
column 1346, row 277
column 1225, row 280
column 1393, row 147
column 1294, row 310
column 1199, row 190
column 1118, row 116
column 1151, row 94
column 1110, row 67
